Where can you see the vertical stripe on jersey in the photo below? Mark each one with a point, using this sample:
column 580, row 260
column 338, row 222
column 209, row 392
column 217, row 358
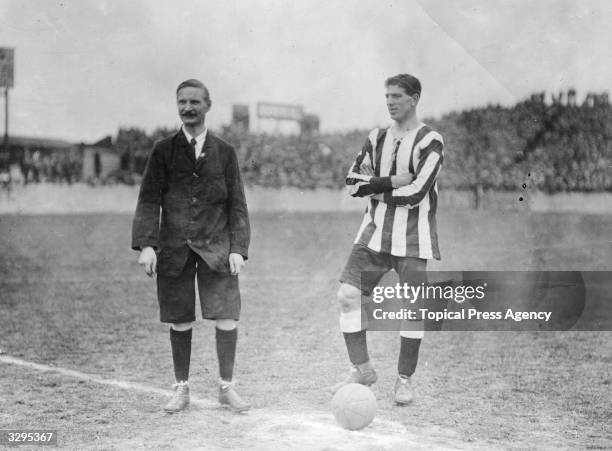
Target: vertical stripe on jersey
column 380, row 141
column 424, row 238
column 369, row 229
column 389, row 220
column 412, row 230
column 423, row 131
column 433, row 226
column 375, row 240
column 398, row 239
column 364, row 156
column 366, row 220
column 386, row 235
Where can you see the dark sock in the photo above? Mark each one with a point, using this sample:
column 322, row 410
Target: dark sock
column 181, row 353
column 409, row 356
column 357, row 347
column 226, row 352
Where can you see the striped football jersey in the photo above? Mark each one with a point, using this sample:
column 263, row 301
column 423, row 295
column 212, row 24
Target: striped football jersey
column 404, row 223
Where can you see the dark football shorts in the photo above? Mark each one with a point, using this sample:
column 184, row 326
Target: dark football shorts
column 365, row 268
column 219, row 293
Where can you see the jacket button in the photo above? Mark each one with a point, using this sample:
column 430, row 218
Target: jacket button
column 193, row 199
column 188, row 241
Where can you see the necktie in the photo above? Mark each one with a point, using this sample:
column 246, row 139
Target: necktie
column 193, row 146
column 393, row 170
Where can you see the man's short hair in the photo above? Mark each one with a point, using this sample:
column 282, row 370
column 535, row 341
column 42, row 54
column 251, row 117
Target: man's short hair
column 193, row 83
column 410, row 84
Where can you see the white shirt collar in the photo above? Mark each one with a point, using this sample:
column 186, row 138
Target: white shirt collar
column 199, row 139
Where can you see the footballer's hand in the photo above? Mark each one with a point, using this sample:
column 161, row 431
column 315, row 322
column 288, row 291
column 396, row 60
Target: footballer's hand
column 401, row 180
column 380, row 197
column 148, row 260
column 236, row 262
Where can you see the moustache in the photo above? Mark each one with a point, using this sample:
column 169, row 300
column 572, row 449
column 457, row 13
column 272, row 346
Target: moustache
column 189, row 114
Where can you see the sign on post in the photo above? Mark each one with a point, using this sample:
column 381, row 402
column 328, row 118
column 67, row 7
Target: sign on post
column 279, row 111
column 7, row 58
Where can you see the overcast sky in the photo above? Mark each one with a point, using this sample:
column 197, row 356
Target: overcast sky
column 86, row 67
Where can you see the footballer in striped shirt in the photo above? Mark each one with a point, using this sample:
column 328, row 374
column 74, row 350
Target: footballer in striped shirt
column 396, row 170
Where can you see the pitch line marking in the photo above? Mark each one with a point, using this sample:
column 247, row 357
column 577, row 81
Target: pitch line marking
column 135, row 386
column 125, row 385
column 391, row 433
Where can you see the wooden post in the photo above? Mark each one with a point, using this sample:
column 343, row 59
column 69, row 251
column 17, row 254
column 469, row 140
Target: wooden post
column 5, row 146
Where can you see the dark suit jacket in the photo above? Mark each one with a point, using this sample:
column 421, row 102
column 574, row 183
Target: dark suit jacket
column 202, row 205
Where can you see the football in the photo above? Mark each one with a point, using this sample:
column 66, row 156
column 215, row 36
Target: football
column 354, row 406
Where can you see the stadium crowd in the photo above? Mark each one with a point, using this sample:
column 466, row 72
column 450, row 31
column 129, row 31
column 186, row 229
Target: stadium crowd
column 556, row 146
column 553, row 146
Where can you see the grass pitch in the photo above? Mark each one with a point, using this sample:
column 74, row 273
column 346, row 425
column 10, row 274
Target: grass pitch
column 72, row 296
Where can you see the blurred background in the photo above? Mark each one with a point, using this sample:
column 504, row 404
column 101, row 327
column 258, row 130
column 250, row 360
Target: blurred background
column 519, row 90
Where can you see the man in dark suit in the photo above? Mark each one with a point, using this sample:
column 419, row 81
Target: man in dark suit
column 192, row 178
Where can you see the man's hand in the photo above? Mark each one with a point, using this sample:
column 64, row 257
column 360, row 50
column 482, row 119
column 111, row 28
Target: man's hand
column 401, row 180
column 148, row 260
column 236, row 262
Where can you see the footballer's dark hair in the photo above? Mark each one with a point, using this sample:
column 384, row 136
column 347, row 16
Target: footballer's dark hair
column 410, row 84
column 193, row 83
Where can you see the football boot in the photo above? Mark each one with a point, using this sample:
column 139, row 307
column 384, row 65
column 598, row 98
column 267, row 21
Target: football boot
column 229, row 397
column 180, row 398
column 403, row 393
column 363, row 374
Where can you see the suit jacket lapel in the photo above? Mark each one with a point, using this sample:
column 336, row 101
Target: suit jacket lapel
column 207, row 149
column 185, row 147
column 208, row 144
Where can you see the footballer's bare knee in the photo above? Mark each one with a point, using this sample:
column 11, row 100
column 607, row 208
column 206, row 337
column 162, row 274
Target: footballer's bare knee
column 181, row 327
column 226, row 324
column 349, row 297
